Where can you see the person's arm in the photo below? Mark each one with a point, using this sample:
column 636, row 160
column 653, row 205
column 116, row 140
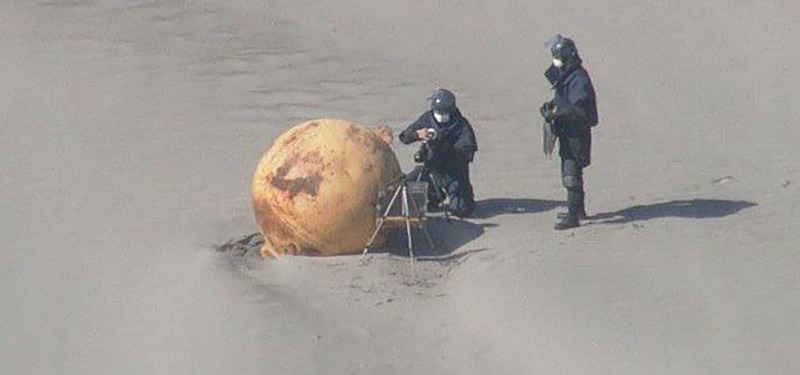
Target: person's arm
column 410, row 134
column 579, row 111
column 466, row 145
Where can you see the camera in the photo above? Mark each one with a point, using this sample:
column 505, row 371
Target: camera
column 432, row 134
column 422, row 153
column 425, row 152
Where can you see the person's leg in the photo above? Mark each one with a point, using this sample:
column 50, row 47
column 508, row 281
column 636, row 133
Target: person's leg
column 461, row 204
column 436, row 191
column 468, row 192
column 455, row 185
column 572, row 179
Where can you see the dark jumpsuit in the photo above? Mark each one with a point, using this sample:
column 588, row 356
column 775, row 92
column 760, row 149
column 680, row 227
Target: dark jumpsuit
column 576, row 109
column 447, row 159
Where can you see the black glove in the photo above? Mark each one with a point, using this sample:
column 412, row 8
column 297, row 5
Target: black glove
column 547, row 111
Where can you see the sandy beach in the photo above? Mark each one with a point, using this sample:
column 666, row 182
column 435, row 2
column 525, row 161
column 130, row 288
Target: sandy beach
column 131, row 130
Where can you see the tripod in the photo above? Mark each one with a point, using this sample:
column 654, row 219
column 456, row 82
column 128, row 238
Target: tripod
column 411, row 210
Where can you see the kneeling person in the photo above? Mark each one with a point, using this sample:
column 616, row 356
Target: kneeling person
column 448, row 146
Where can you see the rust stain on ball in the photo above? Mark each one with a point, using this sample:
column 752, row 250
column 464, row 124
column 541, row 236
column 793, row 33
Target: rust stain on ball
column 314, row 190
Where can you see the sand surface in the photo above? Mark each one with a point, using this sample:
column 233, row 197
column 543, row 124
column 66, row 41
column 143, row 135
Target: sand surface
column 131, row 129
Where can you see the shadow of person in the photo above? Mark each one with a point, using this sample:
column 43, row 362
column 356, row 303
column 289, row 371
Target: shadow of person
column 692, row 209
column 447, row 236
column 489, row 208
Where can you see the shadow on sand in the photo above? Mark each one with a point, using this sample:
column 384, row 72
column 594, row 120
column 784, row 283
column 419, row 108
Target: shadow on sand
column 489, row 208
column 692, row 209
column 447, row 236
column 450, row 235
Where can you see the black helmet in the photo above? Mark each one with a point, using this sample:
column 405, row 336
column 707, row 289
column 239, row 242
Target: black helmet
column 563, row 48
column 443, row 101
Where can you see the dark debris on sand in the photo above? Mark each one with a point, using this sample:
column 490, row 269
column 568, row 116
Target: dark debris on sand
column 243, row 247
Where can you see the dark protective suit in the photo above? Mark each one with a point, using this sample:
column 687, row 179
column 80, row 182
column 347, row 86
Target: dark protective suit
column 575, row 115
column 447, row 159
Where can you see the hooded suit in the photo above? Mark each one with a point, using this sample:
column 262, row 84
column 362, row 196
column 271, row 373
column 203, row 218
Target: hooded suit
column 447, row 157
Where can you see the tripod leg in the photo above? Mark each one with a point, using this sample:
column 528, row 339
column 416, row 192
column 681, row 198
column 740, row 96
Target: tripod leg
column 408, row 225
column 416, row 208
column 391, row 202
column 382, row 219
column 410, row 244
column 374, row 235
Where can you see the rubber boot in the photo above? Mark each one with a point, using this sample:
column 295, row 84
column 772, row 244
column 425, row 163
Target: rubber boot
column 575, row 205
column 569, row 222
column 581, row 214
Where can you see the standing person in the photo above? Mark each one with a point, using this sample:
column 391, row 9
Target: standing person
column 571, row 114
column 448, row 146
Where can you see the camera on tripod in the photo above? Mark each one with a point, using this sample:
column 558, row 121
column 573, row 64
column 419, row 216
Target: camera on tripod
column 424, row 152
column 402, row 203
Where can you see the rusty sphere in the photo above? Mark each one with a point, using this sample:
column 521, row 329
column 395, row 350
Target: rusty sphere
column 314, row 190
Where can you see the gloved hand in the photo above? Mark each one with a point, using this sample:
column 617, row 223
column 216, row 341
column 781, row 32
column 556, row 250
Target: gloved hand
column 426, row 134
column 548, row 111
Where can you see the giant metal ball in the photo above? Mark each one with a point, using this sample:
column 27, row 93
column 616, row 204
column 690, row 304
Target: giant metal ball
column 314, row 191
